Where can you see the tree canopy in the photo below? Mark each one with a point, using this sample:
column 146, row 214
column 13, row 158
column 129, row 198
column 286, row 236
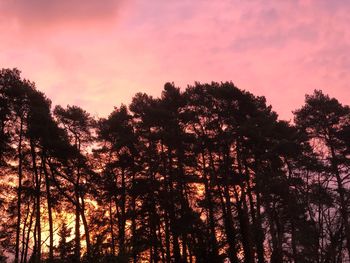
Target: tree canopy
column 203, row 174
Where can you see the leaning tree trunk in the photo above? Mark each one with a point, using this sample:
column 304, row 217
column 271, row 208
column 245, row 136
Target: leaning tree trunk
column 87, row 231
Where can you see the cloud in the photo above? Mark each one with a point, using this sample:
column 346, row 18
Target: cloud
column 45, row 12
column 78, row 53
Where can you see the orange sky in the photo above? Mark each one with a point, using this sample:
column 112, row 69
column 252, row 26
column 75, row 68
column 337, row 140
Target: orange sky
column 98, row 54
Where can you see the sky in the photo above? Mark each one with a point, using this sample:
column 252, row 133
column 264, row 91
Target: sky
column 98, row 54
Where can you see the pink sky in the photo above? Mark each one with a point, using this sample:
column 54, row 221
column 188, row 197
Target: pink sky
column 98, row 54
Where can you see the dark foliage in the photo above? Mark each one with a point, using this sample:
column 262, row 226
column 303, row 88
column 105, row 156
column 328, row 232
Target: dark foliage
column 198, row 175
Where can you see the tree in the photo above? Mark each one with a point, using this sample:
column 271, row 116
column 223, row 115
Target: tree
column 322, row 119
column 78, row 125
column 195, row 175
column 65, row 247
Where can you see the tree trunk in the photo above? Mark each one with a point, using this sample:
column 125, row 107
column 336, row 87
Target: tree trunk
column 170, row 204
column 49, row 208
column 122, row 215
column 24, row 231
column 133, row 219
column 38, row 213
column 244, row 227
column 213, row 241
column 28, row 233
column 87, row 231
column 341, row 192
column 276, row 256
column 77, row 228
column 256, row 218
column 19, row 191
column 167, row 237
column 111, row 223
column 227, row 213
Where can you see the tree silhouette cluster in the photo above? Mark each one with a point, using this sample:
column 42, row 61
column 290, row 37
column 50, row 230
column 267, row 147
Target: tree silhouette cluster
column 198, row 175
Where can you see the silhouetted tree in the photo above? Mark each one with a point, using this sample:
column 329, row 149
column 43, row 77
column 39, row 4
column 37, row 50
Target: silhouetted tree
column 78, row 125
column 65, row 247
column 192, row 176
column 323, row 119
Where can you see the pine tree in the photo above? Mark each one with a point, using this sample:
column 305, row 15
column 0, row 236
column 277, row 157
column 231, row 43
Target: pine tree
column 65, row 247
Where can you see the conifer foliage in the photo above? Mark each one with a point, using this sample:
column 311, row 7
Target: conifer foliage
column 196, row 175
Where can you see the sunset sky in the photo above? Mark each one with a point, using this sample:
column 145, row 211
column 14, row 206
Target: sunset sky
column 98, row 54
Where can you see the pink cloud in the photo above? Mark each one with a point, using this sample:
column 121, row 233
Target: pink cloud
column 42, row 11
column 100, row 54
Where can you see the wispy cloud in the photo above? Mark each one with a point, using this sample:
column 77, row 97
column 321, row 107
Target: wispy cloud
column 99, row 53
